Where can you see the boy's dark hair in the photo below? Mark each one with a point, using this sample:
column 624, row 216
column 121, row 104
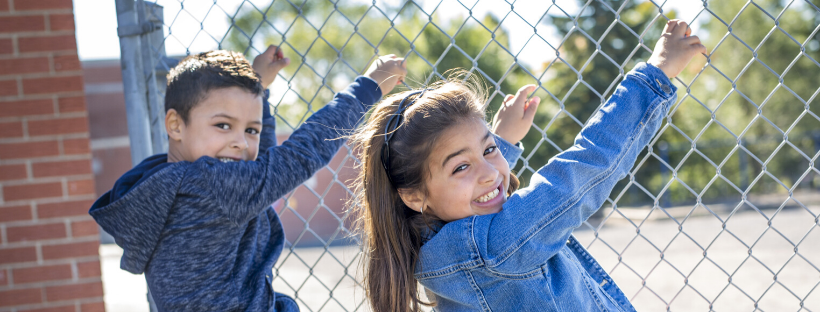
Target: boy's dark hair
column 190, row 81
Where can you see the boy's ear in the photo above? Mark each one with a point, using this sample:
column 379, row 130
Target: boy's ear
column 412, row 198
column 174, row 125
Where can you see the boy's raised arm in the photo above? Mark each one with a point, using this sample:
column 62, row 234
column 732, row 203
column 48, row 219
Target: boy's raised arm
column 244, row 189
column 267, row 65
column 267, row 137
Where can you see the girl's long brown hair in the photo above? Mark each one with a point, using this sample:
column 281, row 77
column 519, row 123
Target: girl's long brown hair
column 392, row 232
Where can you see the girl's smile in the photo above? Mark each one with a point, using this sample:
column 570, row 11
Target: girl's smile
column 491, row 197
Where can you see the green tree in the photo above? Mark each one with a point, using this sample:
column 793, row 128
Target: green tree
column 748, row 59
column 595, row 53
column 331, row 44
column 595, row 47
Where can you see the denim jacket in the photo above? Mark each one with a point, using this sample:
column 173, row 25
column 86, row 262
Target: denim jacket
column 524, row 258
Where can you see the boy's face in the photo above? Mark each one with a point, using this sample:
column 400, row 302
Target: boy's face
column 225, row 125
column 468, row 174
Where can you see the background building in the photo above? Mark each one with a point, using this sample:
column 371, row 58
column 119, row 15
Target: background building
column 48, row 243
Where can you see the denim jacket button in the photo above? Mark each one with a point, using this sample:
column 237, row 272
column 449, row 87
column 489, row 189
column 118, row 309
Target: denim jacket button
column 665, row 88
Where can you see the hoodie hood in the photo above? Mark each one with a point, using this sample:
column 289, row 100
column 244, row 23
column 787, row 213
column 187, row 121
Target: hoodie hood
column 134, row 211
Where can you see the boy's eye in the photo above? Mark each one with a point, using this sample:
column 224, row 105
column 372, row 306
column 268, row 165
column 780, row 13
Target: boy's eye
column 459, row 168
column 252, row 131
column 223, row 126
column 490, row 149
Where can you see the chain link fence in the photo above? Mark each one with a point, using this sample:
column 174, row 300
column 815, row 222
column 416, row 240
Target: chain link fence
column 720, row 213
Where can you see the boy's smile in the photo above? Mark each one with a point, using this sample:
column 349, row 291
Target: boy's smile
column 468, row 174
column 225, row 125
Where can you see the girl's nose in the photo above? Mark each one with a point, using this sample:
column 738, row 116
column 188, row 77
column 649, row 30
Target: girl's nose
column 489, row 173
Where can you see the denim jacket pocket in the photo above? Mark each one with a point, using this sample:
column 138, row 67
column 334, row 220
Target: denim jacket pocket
column 602, row 300
column 528, row 291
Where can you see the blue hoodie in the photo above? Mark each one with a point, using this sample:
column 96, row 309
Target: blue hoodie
column 204, row 232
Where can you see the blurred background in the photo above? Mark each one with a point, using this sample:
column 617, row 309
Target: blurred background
column 721, row 202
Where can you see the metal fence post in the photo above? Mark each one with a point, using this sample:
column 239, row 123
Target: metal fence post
column 130, row 29
column 134, row 89
column 154, row 69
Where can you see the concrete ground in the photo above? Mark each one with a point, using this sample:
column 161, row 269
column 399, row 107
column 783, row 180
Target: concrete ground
column 683, row 266
column 124, row 292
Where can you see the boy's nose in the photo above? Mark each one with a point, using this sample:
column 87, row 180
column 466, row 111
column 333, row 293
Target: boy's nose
column 239, row 142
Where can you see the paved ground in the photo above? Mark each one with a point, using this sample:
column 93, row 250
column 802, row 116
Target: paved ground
column 124, row 292
column 748, row 262
column 728, row 277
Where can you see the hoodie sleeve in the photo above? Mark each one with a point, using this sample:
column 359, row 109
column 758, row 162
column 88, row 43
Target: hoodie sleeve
column 244, row 189
column 267, row 138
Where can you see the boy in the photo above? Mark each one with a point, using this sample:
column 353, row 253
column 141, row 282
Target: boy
column 198, row 220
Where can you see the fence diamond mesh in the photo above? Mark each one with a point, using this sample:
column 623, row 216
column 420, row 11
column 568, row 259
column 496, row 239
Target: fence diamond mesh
column 720, row 212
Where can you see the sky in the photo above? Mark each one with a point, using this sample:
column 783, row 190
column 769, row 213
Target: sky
column 194, row 27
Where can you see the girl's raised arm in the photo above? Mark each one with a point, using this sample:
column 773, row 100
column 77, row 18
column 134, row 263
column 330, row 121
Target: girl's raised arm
column 510, row 151
column 537, row 221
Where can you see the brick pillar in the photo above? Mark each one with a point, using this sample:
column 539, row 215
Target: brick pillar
column 49, row 245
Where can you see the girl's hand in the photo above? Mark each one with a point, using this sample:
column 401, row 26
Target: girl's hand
column 675, row 48
column 514, row 118
column 269, row 63
column 388, row 71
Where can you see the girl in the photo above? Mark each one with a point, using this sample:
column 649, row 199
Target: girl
column 438, row 205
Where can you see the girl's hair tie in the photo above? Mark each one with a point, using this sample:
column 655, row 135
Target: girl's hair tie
column 393, row 124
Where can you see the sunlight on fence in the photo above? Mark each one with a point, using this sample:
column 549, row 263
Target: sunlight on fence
column 720, row 213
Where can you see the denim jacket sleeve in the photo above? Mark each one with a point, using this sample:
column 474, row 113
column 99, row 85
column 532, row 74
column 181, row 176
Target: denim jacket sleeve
column 508, row 150
column 536, row 222
column 267, row 138
column 244, row 189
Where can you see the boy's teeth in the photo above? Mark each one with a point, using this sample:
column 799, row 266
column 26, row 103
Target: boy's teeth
column 488, row 196
column 224, row 159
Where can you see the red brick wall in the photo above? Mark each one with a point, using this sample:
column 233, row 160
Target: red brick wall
column 49, row 246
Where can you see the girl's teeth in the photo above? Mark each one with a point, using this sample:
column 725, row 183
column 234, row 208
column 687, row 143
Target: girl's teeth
column 488, row 197
column 223, row 159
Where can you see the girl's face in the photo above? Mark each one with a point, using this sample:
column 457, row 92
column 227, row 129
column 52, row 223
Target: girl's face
column 468, row 174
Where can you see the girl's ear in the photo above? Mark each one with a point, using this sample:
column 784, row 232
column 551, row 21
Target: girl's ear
column 174, row 125
column 412, row 198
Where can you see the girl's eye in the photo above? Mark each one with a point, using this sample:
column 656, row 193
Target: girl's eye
column 223, row 126
column 490, row 150
column 459, row 168
column 252, row 131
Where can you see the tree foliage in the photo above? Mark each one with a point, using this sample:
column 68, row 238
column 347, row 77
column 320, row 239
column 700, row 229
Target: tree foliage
column 330, row 45
column 760, row 80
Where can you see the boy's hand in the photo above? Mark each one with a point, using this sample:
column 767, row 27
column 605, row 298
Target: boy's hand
column 388, row 71
column 514, row 118
column 675, row 48
column 269, row 63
